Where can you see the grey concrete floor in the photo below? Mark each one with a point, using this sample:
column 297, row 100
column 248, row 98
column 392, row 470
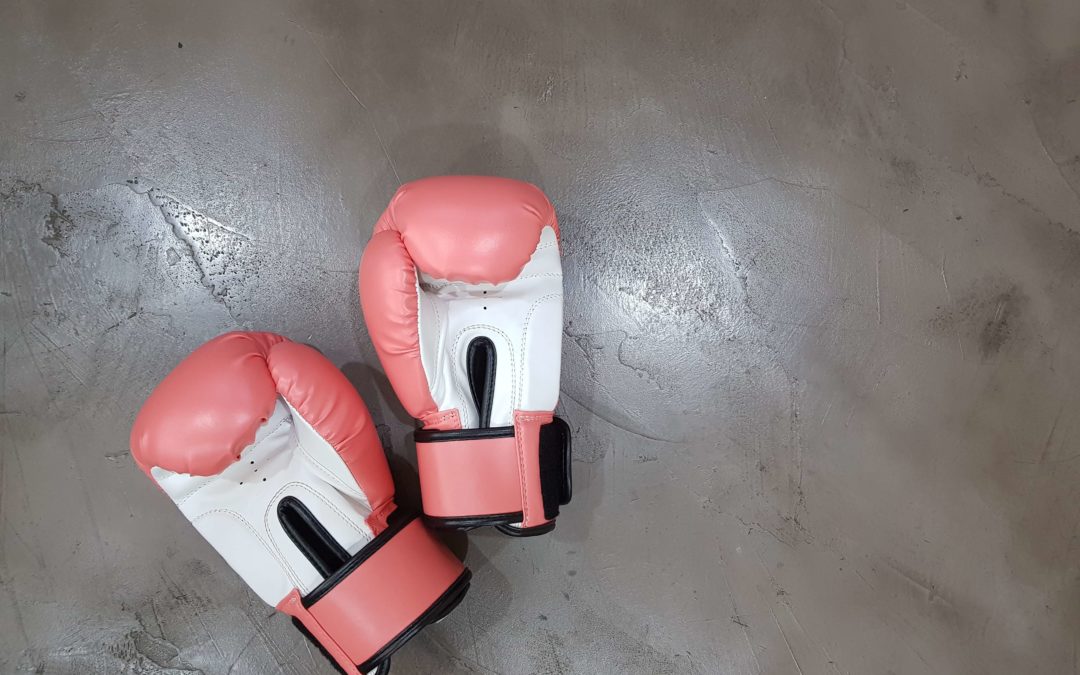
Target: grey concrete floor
column 822, row 321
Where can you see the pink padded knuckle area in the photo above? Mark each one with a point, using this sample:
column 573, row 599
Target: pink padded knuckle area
column 388, row 299
column 327, row 401
column 386, row 593
column 475, row 229
column 206, row 411
column 472, row 477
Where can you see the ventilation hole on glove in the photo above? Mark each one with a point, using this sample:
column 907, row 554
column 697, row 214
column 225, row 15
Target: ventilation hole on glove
column 241, row 482
column 485, row 307
column 485, row 292
column 264, row 480
column 252, row 461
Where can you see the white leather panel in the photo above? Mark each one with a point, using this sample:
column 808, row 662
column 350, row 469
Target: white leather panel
column 522, row 317
column 430, row 328
column 236, row 511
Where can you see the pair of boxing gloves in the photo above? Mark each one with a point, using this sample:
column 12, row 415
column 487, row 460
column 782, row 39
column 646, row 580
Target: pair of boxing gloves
column 269, row 451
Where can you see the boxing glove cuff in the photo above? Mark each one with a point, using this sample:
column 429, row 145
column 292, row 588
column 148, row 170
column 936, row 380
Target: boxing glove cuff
column 514, row 477
column 403, row 580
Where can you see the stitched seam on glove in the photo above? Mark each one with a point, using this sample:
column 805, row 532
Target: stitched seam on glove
column 519, row 417
column 272, row 550
column 521, row 472
column 537, row 276
column 438, row 326
column 332, row 478
column 273, row 503
column 513, row 367
column 525, row 336
column 441, row 417
column 277, row 496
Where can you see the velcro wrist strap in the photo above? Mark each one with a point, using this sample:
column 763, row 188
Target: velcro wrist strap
column 475, row 477
column 401, row 581
column 469, row 477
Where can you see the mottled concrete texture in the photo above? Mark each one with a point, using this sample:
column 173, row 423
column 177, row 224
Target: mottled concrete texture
column 822, row 322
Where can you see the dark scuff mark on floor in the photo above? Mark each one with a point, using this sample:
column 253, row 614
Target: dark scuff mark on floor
column 993, row 314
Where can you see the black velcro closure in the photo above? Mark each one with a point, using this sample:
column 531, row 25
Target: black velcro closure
column 556, row 480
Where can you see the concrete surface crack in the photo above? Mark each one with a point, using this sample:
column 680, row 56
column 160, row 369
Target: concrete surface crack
column 1057, row 165
column 843, row 29
column 1050, row 436
column 240, row 654
column 926, row 17
column 787, row 642
column 751, row 526
column 371, row 119
column 877, row 273
column 986, row 179
column 613, row 423
column 799, row 496
column 367, row 112
column 584, row 340
column 457, row 658
column 729, row 253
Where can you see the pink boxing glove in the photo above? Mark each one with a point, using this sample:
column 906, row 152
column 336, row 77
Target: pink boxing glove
column 270, row 453
column 461, row 288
